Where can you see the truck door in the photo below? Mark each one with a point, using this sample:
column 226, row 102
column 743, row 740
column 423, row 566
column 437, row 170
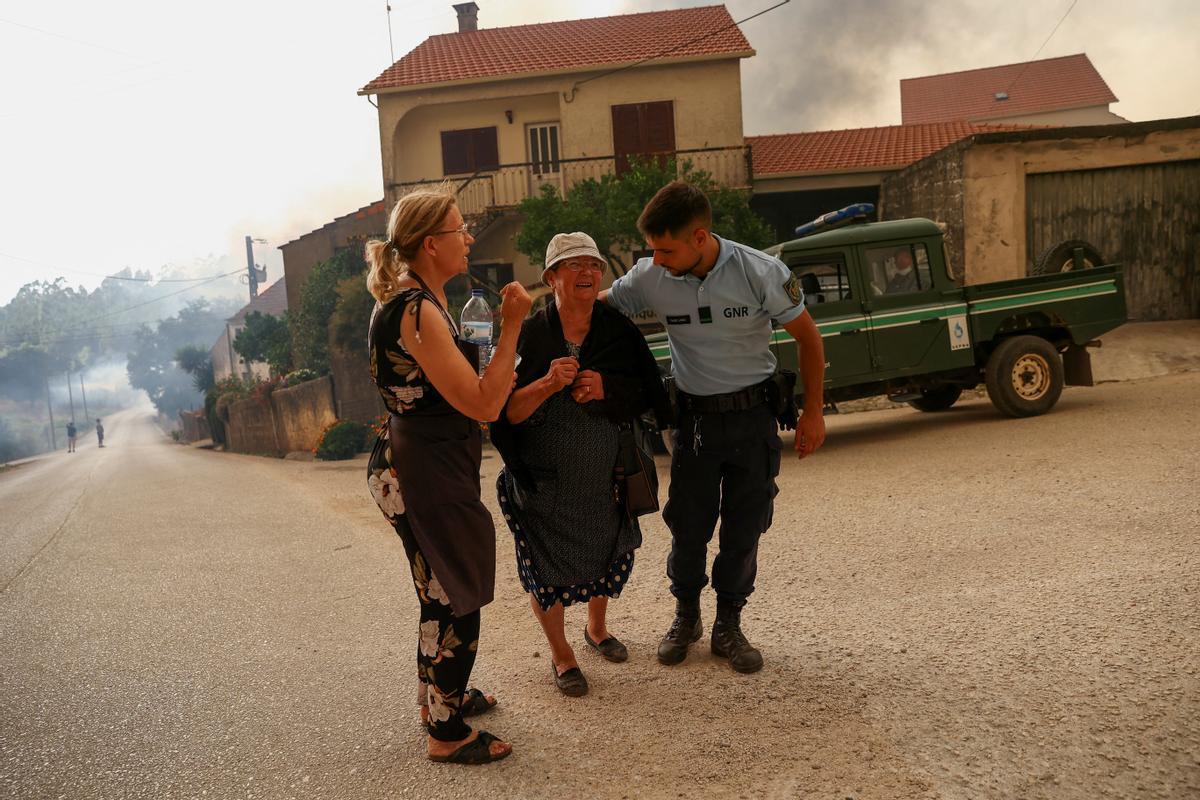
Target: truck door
column 833, row 301
column 908, row 315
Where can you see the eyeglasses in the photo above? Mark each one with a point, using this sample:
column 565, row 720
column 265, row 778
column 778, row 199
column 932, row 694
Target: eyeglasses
column 580, row 264
column 462, row 229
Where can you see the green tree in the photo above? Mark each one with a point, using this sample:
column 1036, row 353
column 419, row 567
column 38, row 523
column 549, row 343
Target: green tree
column 318, row 299
column 352, row 314
column 196, row 362
column 607, row 209
column 266, row 338
column 152, row 366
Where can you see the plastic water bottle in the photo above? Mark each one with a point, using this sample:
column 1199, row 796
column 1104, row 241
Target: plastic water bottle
column 476, row 326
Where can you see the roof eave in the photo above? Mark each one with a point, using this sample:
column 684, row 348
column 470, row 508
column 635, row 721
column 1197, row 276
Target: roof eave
column 843, row 171
column 509, row 76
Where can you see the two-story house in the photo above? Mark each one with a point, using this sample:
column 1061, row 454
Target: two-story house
column 499, row 112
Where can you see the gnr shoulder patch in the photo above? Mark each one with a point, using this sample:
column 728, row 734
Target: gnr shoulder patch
column 792, row 287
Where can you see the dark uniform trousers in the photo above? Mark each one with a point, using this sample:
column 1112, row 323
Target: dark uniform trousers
column 724, row 465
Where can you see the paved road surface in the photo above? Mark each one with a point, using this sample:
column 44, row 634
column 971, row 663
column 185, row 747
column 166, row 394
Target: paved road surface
column 953, row 605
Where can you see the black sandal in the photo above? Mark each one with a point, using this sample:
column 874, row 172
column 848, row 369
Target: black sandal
column 476, row 751
column 474, row 703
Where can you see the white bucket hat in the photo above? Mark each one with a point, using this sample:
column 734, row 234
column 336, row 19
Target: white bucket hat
column 569, row 245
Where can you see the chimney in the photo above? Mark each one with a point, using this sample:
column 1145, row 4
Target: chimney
column 468, row 17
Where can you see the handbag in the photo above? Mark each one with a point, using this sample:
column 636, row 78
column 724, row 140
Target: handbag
column 635, row 474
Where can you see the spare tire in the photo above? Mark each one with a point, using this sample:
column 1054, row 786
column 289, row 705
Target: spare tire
column 1061, row 257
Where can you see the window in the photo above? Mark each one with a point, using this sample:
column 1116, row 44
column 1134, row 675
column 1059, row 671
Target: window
column 468, row 151
column 823, row 281
column 642, row 129
column 543, row 148
column 898, row 269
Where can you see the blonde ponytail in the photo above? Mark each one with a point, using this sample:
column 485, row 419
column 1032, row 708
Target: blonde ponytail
column 414, row 217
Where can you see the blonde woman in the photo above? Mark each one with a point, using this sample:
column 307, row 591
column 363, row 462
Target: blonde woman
column 424, row 472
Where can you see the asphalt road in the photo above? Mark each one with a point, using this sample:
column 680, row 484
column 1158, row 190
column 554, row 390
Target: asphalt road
column 951, row 606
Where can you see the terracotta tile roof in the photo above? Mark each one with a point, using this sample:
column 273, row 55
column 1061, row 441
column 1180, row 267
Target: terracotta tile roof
column 271, row 301
column 565, row 46
column 376, row 208
column 858, row 148
column 1051, row 84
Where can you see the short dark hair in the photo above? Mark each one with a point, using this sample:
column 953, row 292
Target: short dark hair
column 673, row 209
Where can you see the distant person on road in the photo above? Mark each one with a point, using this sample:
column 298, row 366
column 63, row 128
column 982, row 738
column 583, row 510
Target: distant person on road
column 72, row 431
column 904, row 279
column 99, row 432
column 586, row 374
column 717, row 299
column 424, row 470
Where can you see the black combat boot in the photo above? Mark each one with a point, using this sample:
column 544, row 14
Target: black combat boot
column 685, row 629
column 729, row 642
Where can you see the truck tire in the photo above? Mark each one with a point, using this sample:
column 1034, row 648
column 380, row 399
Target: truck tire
column 1061, row 257
column 1024, row 376
column 937, row 398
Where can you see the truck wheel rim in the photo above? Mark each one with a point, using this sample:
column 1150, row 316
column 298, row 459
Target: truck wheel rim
column 1031, row 376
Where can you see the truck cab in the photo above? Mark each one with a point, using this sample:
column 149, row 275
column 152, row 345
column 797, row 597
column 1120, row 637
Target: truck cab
column 884, row 301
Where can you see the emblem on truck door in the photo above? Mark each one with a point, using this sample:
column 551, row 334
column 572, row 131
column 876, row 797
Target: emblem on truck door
column 960, row 338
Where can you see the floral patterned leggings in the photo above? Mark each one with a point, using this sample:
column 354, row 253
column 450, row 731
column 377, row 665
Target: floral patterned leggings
column 446, row 649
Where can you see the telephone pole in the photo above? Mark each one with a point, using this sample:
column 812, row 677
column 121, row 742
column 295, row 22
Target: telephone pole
column 254, row 275
column 83, row 394
column 71, row 395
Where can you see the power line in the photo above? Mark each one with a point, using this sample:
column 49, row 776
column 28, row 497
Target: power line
column 121, row 277
column 575, row 86
column 70, row 39
column 1039, row 50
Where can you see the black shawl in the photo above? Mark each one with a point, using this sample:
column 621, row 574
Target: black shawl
column 614, row 347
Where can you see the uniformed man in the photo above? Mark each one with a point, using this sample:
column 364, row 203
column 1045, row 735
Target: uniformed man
column 717, row 299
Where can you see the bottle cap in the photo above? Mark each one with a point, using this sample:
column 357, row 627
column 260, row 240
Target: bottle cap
column 477, row 293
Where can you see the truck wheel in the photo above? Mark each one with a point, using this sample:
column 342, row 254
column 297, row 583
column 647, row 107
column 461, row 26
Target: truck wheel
column 1061, row 257
column 1024, row 376
column 937, row 398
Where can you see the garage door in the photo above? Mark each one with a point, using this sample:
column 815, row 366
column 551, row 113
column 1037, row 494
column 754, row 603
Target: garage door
column 1145, row 216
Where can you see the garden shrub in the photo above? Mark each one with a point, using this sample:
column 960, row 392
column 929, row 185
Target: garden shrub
column 342, row 440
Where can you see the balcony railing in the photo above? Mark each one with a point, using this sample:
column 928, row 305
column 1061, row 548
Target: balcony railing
column 491, row 192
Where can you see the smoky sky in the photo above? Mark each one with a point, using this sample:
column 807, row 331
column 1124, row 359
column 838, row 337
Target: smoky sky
column 826, row 64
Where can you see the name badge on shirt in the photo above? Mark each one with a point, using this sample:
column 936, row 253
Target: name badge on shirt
column 679, row 319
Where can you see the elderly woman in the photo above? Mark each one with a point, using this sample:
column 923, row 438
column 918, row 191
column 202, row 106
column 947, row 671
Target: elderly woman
column 424, row 470
column 585, row 370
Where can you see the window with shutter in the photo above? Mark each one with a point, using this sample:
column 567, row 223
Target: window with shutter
column 468, row 151
column 643, row 129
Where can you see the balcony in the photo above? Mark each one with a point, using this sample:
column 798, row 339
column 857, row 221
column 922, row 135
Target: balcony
column 486, row 194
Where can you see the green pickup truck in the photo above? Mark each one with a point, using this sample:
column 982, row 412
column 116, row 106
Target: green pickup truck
column 894, row 321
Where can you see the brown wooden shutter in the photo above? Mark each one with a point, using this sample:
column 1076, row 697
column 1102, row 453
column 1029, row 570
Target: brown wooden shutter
column 467, row 151
column 455, row 153
column 642, row 128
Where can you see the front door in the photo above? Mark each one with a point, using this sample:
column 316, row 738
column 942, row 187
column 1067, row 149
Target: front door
column 544, row 156
column 909, row 318
column 835, row 306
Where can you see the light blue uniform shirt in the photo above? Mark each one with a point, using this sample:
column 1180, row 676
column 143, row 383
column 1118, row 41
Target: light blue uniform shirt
column 719, row 329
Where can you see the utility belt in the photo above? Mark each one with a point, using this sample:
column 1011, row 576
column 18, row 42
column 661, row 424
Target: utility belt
column 778, row 392
column 741, row 400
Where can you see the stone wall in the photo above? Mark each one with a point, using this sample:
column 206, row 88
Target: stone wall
column 251, row 428
column 291, row 419
column 302, row 413
column 355, row 396
column 931, row 188
column 194, row 426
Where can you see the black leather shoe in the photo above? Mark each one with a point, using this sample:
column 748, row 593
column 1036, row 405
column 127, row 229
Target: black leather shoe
column 728, row 641
column 685, row 629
